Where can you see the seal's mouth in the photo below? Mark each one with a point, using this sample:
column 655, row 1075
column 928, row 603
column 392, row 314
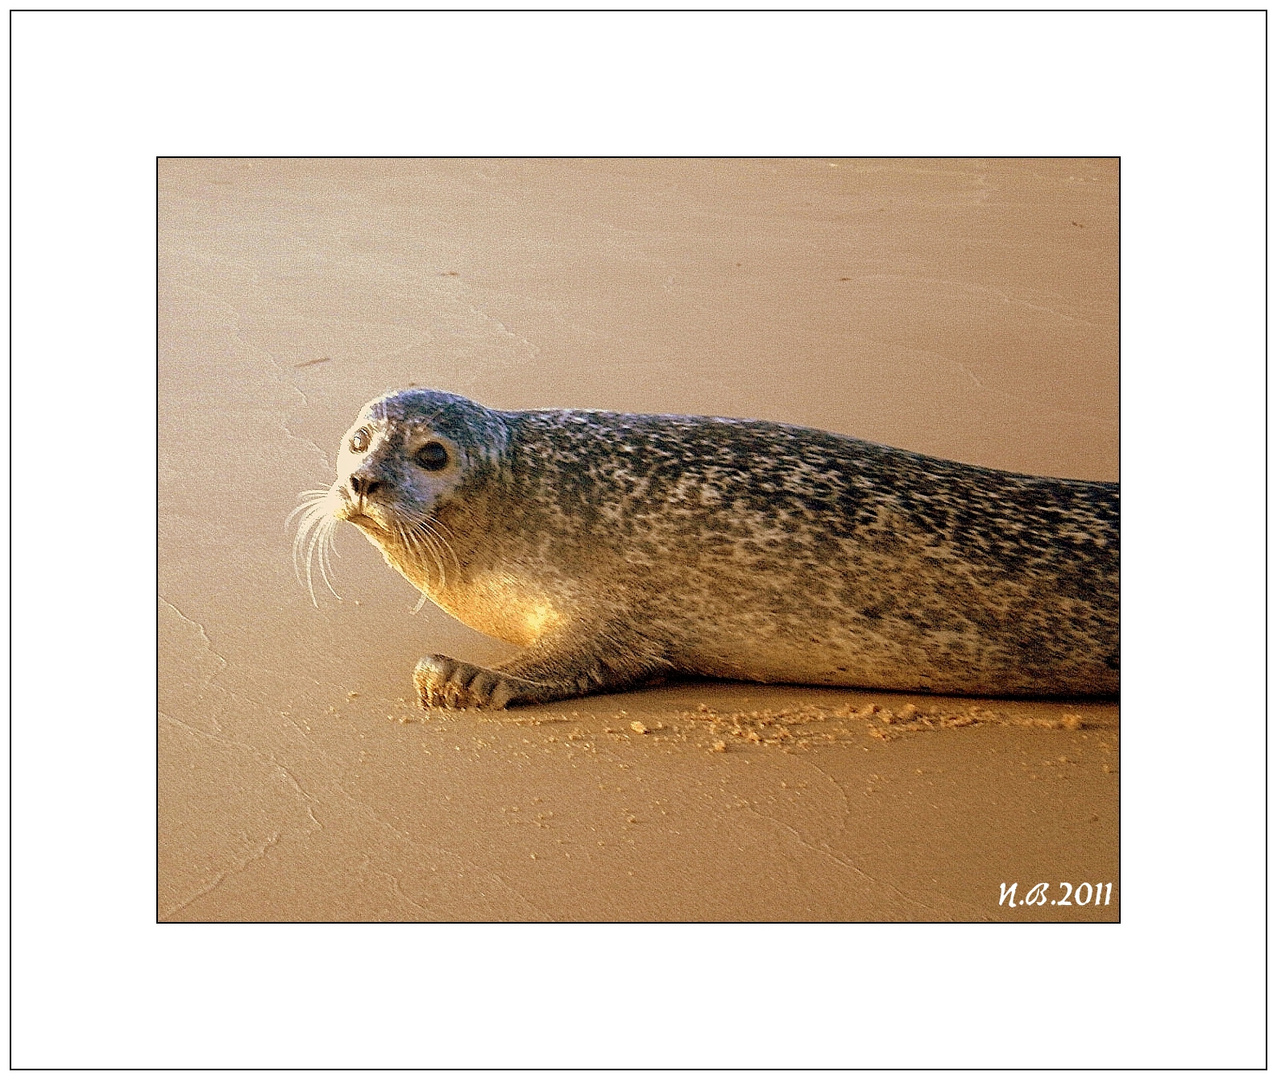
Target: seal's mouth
column 356, row 517
column 377, row 522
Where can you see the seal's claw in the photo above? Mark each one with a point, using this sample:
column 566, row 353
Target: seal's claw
column 482, row 685
column 502, row 694
column 434, row 677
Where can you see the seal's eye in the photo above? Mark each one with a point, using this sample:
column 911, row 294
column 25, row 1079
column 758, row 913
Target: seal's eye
column 432, row 456
column 359, row 440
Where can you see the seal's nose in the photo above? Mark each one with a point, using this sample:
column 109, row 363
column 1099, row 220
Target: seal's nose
column 363, row 485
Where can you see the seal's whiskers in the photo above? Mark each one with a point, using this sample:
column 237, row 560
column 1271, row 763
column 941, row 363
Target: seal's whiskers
column 315, row 528
column 438, row 545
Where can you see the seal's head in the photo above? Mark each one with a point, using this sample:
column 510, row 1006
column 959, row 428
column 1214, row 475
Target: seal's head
column 407, row 458
column 406, row 454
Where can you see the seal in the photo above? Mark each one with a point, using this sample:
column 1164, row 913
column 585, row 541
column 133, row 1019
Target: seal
column 621, row 549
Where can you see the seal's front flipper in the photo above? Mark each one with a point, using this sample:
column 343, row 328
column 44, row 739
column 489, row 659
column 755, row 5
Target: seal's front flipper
column 549, row 671
column 454, row 684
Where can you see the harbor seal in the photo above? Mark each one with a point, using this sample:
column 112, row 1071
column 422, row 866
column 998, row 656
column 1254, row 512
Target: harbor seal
column 619, row 549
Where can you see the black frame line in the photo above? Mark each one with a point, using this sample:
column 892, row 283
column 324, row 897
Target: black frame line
column 585, row 11
column 634, row 11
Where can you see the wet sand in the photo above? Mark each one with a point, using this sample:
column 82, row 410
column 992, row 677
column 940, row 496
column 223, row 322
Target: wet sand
column 966, row 309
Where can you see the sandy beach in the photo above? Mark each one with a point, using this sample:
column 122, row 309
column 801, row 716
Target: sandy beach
column 966, row 309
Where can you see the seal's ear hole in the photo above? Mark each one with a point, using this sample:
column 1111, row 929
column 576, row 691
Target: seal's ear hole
column 432, row 456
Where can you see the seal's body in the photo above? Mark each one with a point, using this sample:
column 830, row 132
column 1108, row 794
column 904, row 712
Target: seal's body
column 619, row 548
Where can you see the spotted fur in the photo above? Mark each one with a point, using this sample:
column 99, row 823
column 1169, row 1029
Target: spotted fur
column 619, row 548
